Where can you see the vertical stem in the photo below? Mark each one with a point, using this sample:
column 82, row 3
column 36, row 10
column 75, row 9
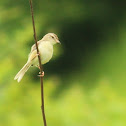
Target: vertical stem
column 41, row 68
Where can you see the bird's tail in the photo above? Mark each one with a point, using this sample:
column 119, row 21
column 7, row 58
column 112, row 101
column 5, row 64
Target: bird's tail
column 21, row 73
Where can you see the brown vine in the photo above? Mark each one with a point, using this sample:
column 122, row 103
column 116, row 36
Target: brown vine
column 40, row 65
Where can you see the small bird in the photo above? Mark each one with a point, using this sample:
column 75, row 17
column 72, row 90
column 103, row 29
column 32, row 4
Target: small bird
column 45, row 46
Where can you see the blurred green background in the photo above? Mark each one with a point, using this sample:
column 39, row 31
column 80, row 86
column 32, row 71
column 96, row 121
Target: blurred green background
column 84, row 83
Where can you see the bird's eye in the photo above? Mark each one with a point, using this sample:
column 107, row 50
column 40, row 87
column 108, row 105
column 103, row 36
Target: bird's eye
column 52, row 37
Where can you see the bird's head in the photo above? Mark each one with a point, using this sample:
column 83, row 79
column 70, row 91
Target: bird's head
column 51, row 37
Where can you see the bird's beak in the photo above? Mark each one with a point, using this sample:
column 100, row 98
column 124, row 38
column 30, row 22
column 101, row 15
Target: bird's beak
column 58, row 41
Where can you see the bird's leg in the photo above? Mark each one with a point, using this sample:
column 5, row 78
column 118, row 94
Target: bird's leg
column 38, row 66
column 41, row 75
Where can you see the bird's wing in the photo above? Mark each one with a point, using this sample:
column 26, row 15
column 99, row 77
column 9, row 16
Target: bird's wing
column 33, row 52
column 34, row 46
column 32, row 55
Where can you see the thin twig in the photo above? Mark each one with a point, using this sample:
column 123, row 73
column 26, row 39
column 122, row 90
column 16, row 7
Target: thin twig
column 40, row 65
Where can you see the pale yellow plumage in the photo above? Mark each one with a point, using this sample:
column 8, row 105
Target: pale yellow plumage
column 45, row 46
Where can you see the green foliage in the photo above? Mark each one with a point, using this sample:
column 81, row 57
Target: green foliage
column 84, row 83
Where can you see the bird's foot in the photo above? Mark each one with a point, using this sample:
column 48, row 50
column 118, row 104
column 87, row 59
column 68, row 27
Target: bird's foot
column 41, row 75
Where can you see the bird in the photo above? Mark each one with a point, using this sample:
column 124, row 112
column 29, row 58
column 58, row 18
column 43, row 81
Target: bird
column 45, row 46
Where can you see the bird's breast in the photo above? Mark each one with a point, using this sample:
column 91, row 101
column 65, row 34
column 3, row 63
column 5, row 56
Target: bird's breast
column 46, row 51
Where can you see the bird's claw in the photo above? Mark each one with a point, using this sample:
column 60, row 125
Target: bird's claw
column 41, row 75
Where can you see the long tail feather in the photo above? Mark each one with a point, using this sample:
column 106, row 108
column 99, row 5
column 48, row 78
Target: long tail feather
column 21, row 73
